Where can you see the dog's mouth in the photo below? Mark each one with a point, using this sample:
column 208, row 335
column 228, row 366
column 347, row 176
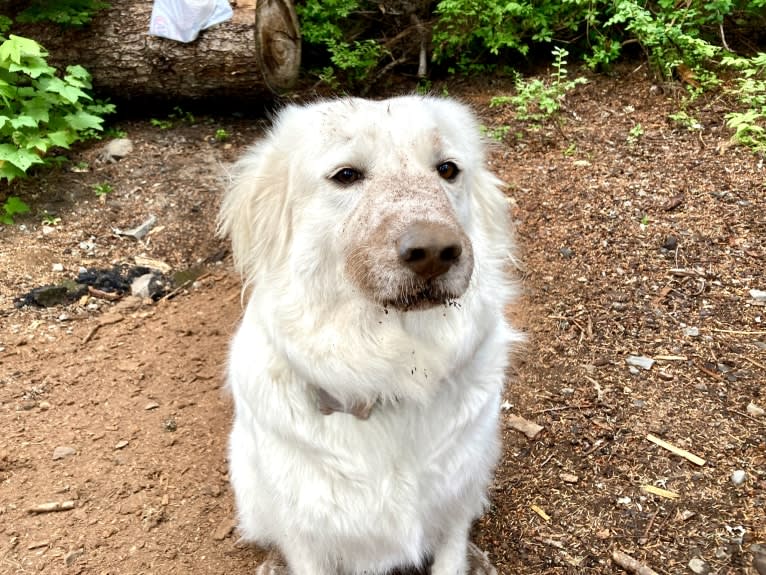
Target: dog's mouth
column 427, row 297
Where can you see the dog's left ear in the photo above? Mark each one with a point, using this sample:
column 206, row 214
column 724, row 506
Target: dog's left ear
column 255, row 211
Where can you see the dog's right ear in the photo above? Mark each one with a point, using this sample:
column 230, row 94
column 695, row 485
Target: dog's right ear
column 255, row 211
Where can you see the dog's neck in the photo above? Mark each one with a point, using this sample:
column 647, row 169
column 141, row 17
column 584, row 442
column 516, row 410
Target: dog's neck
column 328, row 405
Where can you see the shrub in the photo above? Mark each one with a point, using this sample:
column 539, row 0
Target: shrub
column 40, row 109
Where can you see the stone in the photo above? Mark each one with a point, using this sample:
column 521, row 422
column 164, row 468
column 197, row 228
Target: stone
column 699, row 566
column 738, row 477
column 62, row 452
column 640, row 361
column 116, row 149
column 754, row 410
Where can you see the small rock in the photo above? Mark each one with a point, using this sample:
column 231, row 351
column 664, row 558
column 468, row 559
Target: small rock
column 633, row 370
column 754, row 410
column 116, row 149
column 670, row 243
column 122, row 444
column 72, row 556
column 566, row 253
column 687, row 514
column 569, row 478
column 44, row 405
column 224, row 529
column 639, row 403
column 567, row 391
column 57, row 267
column 151, row 405
column 170, row 424
column 758, row 295
column 738, row 477
column 691, row 331
column 699, row 566
column 147, row 286
column 623, row 500
column 759, row 557
column 640, row 361
column 63, row 452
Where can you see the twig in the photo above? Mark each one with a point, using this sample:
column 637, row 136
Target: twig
column 539, row 510
column 723, row 37
column 52, row 506
column 754, row 362
column 740, row 332
column 631, row 565
column 661, row 492
column 563, row 407
column 677, row 450
column 106, row 320
column 183, row 286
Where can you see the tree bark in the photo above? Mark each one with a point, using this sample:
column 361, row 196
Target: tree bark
column 243, row 58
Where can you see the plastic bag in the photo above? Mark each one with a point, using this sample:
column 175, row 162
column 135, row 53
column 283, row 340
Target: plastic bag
column 182, row 20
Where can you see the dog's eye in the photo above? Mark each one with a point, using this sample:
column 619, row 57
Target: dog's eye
column 448, row 170
column 347, row 176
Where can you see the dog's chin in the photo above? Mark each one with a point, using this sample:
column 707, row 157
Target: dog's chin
column 429, row 297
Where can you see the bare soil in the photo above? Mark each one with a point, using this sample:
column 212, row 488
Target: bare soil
column 642, row 246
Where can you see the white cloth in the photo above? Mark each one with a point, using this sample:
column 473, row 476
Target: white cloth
column 182, row 20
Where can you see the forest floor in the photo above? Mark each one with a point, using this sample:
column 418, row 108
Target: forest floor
column 639, row 238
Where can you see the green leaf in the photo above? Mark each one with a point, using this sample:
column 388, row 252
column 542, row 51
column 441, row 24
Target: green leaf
column 36, row 108
column 22, row 159
column 61, row 138
column 83, row 121
column 16, row 47
column 10, row 173
column 21, row 121
column 58, row 86
column 14, row 205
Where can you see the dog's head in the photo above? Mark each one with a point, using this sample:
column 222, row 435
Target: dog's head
column 391, row 197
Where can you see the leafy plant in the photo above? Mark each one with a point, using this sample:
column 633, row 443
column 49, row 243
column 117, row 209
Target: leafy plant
column 324, row 24
column 221, row 135
column 102, row 189
column 749, row 122
column 684, row 119
column 497, row 133
column 539, row 99
column 50, row 219
column 12, row 207
column 635, row 133
column 40, row 109
column 64, row 12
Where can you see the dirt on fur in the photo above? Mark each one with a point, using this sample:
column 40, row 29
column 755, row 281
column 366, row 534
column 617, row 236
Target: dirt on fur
column 642, row 269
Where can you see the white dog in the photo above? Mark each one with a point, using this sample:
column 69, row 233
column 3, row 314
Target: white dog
column 368, row 368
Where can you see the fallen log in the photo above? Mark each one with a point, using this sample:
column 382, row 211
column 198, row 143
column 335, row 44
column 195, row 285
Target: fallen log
column 246, row 57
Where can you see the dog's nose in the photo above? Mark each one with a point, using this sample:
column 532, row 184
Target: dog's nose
column 429, row 249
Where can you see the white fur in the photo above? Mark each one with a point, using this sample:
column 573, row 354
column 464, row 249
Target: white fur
column 337, row 494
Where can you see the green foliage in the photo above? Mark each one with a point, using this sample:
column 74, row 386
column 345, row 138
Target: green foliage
column 635, row 133
column 749, row 122
column 12, row 207
column 39, row 109
column 102, row 189
column 221, row 135
column 540, row 99
column 324, row 24
column 64, row 12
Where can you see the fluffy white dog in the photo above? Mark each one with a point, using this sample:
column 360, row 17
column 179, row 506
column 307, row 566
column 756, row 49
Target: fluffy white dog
column 368, row 368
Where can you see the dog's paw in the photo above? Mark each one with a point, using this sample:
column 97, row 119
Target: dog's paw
column 273, row 565
column 478, row 562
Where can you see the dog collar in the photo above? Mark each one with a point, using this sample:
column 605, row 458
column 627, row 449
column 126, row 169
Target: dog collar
column 328, row 405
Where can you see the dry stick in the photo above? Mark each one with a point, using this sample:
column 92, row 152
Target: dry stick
column 106, row 320
column 52, row 506
column 740, row 332
column 677, row 450
column 629, row 564
column 754, row 362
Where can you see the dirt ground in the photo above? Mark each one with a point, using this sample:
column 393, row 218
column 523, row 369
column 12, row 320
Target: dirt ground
column 644, row 245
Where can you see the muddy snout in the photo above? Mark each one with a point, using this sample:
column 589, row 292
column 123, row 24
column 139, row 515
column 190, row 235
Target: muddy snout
column 430, row 249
